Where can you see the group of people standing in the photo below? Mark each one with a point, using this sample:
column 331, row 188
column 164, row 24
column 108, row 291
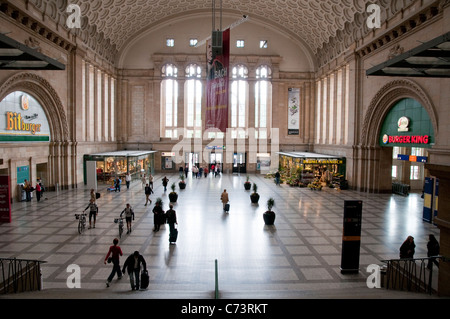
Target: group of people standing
column 28, row 188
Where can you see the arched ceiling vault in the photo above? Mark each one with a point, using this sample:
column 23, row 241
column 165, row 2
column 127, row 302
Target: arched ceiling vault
column 311, row 21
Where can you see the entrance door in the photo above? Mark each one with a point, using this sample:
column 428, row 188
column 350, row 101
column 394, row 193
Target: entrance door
column 192, row 159
column 239, row 163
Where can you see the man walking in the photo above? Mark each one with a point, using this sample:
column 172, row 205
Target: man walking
column 133, row 266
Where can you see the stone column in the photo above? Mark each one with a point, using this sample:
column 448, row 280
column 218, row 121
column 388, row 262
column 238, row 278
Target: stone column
column 443, row 222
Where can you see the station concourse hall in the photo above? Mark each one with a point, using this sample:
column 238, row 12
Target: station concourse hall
column 302, row 146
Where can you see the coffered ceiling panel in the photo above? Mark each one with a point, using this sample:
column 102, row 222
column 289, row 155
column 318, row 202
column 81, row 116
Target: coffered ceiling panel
column 312, row 21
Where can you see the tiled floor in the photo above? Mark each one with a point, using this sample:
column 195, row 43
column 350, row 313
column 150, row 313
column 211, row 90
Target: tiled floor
column 298, row 257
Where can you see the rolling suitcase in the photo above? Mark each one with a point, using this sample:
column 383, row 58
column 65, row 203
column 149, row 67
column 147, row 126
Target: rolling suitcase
column 145, row 279
column 227, row 208
column 173, row 236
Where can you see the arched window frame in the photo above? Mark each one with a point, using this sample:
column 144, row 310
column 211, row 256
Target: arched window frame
column 239, row 101
column 263, row 102
column 169, row 101
column 193, row 92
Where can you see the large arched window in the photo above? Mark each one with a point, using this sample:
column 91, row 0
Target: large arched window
column 239, row 101
column 169, row 101
column 263, row 102
column 193, row 101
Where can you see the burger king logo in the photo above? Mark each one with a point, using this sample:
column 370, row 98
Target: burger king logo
column 385, row 139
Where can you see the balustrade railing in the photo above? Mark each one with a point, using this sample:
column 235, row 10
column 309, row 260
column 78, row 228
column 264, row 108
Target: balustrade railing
column 20, row 275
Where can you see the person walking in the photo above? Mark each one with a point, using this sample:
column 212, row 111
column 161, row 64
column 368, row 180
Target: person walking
column 150, row 180
column 93, row 212
column 117, row 184
column 128, row 180
column 432, row 251
column 115, row 252
column 165, row 181
column 93, row 195
column 171, row 216
column 148, row 191
column 158, row 214
column 143, row 180
column 133, row 266
column 407, row 249
column 224, row 198
column 277, row 178
column 129, row 215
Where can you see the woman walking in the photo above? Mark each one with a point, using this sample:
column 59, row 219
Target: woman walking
column 115, row 251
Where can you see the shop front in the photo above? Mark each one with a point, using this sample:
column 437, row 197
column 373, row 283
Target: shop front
column 111, row 165
column 408, row 130
column 304, row 168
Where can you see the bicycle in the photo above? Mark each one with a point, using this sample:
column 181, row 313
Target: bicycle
column 81, row 222
column 120, row 222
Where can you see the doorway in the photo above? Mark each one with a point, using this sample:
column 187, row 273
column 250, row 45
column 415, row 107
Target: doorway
column 240, row 163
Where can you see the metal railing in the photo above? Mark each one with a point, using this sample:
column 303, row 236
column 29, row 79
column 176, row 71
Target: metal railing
column 20, row 275
column 411, row 274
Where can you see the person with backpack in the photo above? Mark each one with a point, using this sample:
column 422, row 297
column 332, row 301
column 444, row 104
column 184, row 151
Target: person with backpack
column 93, row 211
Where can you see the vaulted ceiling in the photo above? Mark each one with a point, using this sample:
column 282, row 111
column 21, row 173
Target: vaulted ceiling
column 310, row 20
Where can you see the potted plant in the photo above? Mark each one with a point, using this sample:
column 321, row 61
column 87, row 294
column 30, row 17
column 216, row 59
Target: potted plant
column 182, row 183
column 173, row 196
column 269, row 215
column 254, row 197
column 247, row 184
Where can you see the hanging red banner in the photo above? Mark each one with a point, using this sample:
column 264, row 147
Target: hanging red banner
column 217, row 86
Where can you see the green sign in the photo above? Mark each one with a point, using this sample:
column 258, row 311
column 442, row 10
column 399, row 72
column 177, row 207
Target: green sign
column 407, row 125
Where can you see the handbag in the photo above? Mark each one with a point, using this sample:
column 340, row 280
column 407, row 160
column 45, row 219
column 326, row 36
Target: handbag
column 109, row 260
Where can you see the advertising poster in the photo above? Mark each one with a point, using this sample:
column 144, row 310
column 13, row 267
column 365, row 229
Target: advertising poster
column 5, row 201
column 24, row 119
column 294, row 112
column 217, row 87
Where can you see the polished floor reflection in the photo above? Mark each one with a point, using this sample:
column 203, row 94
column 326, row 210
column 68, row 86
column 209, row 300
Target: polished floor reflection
column 298, row 256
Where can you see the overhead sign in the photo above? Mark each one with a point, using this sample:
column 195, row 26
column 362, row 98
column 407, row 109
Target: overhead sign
column 24, row 119
column 407, row 125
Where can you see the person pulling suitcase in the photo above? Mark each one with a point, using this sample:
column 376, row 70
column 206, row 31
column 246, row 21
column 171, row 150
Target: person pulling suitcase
column 171, row 216
column 133, row 266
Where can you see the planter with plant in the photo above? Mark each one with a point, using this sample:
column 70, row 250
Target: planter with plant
column 247, row 184
column 269, row 215
column 254, row 197
column 182, row 183
column 173, row 196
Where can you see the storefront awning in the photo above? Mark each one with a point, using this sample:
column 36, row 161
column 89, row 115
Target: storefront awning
column 431, row 59
column 307, row 155
column 123, row 154
column 17, row 56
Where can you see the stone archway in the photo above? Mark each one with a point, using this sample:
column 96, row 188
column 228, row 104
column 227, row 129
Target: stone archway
column 59, row 146
column 373, row 160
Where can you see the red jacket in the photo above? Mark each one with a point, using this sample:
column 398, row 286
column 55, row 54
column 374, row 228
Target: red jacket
column 116, row 251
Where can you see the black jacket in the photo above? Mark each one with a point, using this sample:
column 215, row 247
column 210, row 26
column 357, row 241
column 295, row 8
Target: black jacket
column 129, row 264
